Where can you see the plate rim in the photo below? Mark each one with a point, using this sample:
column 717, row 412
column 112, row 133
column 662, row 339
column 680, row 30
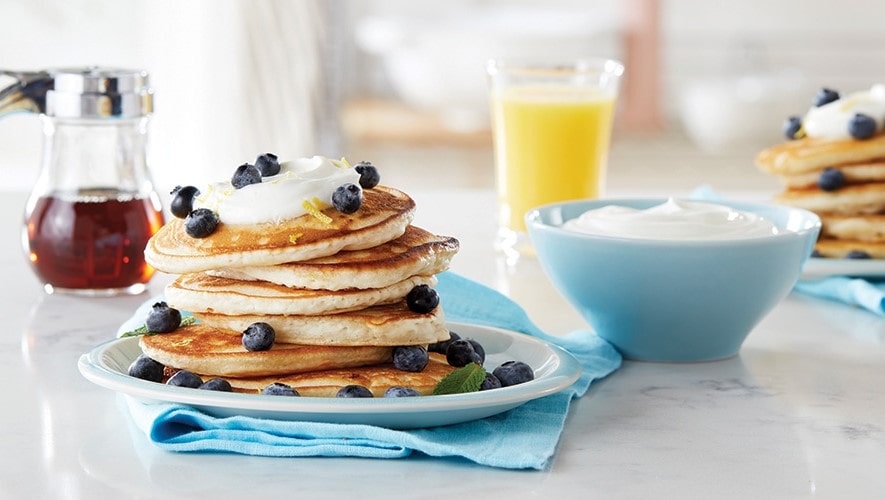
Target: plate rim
column 821, row 267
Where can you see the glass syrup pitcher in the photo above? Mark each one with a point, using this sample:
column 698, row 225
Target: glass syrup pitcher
column 93, row 207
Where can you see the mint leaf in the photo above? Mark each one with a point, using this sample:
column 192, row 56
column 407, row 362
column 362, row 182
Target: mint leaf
column 465, row 379
column 142, row 330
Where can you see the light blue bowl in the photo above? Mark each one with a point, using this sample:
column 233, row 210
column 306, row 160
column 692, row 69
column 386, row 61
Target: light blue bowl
column 672, row 301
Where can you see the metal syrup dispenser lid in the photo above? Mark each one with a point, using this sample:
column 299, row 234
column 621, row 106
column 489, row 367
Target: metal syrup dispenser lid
column 99, row 93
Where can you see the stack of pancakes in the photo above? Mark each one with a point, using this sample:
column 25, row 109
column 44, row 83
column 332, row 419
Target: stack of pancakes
column 333, row 289
column 853, row 215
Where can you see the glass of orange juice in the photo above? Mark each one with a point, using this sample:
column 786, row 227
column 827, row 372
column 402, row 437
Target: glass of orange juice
column 552, row 127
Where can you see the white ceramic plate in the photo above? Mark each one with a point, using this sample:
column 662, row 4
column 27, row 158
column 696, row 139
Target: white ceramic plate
column 555, row 369
column 862, row 268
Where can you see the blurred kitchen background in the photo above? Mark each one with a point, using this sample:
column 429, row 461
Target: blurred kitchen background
column 402, row 83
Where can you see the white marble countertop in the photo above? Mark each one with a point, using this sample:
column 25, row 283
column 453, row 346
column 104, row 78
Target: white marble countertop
column 799, row 413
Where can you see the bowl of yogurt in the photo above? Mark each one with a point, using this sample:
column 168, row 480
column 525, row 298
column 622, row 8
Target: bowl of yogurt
column 672, row 280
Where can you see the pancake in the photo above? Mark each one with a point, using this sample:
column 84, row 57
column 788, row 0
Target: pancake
column 200, row 292
column 203, row 349
column 850, row 200
column 377, row 378
column 837, row 249
column 383, row 325
column 853, row 227
column 810, row 154
column 854, row 174
column 417, row 252
column 383, row 216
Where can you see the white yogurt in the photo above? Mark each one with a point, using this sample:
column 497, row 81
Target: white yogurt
column 830, row 121
column 280, row 196
column 673, row 220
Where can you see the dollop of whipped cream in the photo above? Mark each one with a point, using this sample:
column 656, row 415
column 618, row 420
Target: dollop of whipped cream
column 280, row 196
column 673, row 220
column 830, row 121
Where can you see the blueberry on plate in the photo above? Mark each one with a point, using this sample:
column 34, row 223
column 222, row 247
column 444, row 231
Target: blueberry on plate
column 792, row 126
column 184, row 378
column 200, row 223
column 858, row 254
column 354, row 391
column 479, row 350
column 279, row 389
column 369, row 176
column 513, row 372
column 245, row 175
column 825, row 96
column 399, row 391
column 259, row 337
column 412, row 358
column 422, row 299
column 861, row 126
column 267, row 164
column 831, row 179
column 490, row 382
column 146, row 368
column 441, row 346
column 348, row 198
column 162, row 318
column 183, row 200
column 461, row 353
column 216, row 384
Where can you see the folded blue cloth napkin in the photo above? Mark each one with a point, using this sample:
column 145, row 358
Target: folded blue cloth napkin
column 852, row 291
column 522, row 438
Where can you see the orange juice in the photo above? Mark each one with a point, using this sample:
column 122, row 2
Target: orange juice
column 551, row 144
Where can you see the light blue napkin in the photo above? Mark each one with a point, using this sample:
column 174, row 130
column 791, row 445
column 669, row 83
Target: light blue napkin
column 852, row 291
column 522, row 438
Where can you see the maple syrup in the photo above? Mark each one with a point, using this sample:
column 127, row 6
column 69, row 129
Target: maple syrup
column 92, row 240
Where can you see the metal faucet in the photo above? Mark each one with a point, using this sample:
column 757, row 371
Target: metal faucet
column 27, row 93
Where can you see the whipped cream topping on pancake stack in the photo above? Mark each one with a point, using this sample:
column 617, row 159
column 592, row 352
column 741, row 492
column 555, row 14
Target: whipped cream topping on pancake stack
column 834, row 165
column 319, row 252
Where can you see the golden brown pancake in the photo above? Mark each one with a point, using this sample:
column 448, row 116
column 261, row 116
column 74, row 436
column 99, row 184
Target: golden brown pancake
column 853, row 227
column 809, row 154
column 382, row 325
column 383, row 216
column 849, row 200
column 415, row 253
column 200, row 292
column 377, row 378
column 854, row 174
column 203, row 349
column 837, row 249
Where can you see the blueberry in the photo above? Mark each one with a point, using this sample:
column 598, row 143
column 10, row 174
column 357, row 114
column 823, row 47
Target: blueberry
column 861, row 126
column 831, row 179
column 412, row 358
column 162, row 318
column 490, row 382
column 348, row 198
column 267, row 164
column 200, row 223
column 146, row 368
column 184, row 378
column 183, row 201
column 258, row 337
column 279, row 389
column 399, row 391
column 441, row 346
column 858, row 254
column 369, row 176
column 817, row 254
column 216, row 384
column 245, row 175
column 354, row 391
column 513, row 372
column 825, row 96
column 478, row 349
column 792, row 126
column 422, row 299
column 460, row 353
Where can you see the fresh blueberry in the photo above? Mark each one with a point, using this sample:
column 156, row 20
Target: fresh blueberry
column 354, row 391
column 245, row 175
column 146, row 368
column 267, row 164
column 422, row 299
column 183, row 201
column 258, row 337
column 479, row 350
column 461, row 353
column 369, row 176
column 348, row 198
column 162, row 318
column 200, row 223
column 817, row 254
column 412, row 358
column 792, row 126
column 490, row 382
column 831, row 179
column 399, row 391
column 279, row 389
column 861, row 126
column 513, row 372
column 441, row 346
column 825, row 96
column 184, row 378
column 858, row 254
column 216, row 384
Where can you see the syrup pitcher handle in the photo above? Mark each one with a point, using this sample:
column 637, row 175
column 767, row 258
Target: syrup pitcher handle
column 26, row 93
